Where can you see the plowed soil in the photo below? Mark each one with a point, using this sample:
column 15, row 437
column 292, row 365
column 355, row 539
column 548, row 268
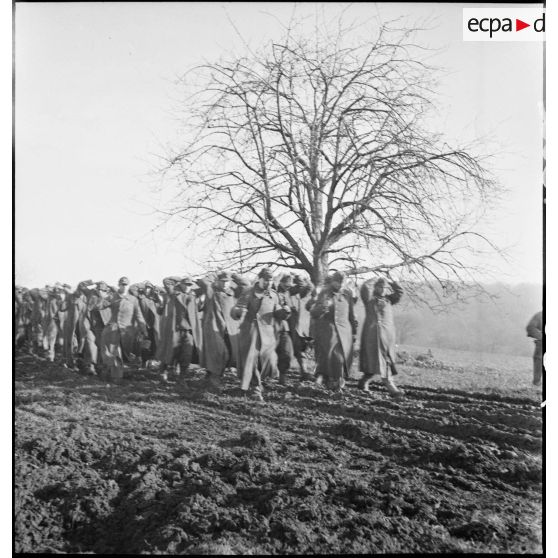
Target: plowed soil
column 151, row 468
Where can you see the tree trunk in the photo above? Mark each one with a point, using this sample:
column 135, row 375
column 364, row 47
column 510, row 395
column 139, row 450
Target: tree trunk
column 321, row 267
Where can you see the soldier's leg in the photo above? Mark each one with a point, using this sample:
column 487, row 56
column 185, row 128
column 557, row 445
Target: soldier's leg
column 186, row 351
column 250, row 362
column 50, row 337
column 284, row 355
column 90, row 352
column 301, row 348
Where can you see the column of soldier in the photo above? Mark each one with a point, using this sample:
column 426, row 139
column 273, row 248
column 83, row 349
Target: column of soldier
column 221, row 322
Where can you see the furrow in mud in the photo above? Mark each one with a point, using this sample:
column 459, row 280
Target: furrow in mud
column 145, row 468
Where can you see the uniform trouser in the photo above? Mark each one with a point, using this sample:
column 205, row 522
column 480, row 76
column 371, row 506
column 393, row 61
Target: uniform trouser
column 22, row 335
column 301, row 345
column 149, row 353
column 182, row 353
column 215, row 376
column 38, row 335
column 49, row 339
column 284, row 352
column 91, row 349
column 331, row 363
column 251, row 375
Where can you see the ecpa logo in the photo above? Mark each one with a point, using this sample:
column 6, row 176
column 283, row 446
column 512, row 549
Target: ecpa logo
column 503, row 24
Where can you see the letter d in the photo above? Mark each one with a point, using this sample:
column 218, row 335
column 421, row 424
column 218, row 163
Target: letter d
column 539, row 24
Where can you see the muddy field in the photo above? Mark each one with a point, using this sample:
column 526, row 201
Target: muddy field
column 151, row 468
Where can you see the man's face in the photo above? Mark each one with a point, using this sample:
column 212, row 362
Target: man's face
column 169, row 289
column 222, row 284
column 123, row 288
column 148, row 291
column 186, row 287
column 287, row 284
column 336, row 286
column 265, row 282
column 380, row 289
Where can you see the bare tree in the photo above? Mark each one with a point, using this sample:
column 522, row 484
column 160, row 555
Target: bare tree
column 313, row 155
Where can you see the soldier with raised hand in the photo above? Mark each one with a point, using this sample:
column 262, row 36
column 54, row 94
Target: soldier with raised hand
column 23, row 308
column 377, row 345
column 168, row 351
column 74, row 341
column 285, row 352
column 119, row 334
column 51, row 322
column 299, row 323
column 98, row 316
column 147, row 301
column 335, row 330
column 38, row 311
column 188, row 324
column 259, row 310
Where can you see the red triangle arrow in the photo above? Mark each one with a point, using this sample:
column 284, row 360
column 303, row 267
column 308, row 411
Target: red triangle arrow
column 519, row 25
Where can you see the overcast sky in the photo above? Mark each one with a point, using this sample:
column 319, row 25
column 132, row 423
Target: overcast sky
column 94, row 102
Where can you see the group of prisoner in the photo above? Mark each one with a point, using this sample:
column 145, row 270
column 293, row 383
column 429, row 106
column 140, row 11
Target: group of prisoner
column 261, row 328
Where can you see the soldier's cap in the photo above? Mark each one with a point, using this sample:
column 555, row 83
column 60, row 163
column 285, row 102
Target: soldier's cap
column 223, row 276
column 102, row 286
column 285, row 278
column 337, row 276
column 187, row 280
column 265, row 273
column 169, row 281
column 84, row 284
column 123, row 281
column 301, row 281
column 67, row 287
column 380, row 281
column 147, row 285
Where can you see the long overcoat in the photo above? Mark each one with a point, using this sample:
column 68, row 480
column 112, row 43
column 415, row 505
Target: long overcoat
column 377, row 345
column 152, row 319
column 75, row 306
column 188, row 319
column 334, row 325
column 119, row 335
column 169, row 339
column 220, row 330
column 50, row 324
column 260, row 312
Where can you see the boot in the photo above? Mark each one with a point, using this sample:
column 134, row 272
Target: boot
column 364, row 383
column 393, row 390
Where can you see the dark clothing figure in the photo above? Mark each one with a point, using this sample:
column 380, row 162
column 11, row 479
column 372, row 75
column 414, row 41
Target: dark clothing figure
column 285, row 350
column 260, row 310
column 220, row 330
column 299, row 327
column 377, row 345
column 535, row 331
column 119, row 335
column 334, row 328
column 151, row 316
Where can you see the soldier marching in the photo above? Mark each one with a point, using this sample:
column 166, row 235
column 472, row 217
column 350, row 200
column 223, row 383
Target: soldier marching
column 274, row 328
